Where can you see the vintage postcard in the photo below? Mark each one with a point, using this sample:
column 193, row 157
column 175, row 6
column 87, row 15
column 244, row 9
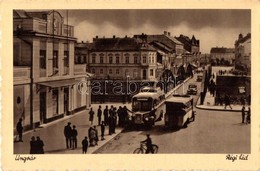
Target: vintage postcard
column 130, row 85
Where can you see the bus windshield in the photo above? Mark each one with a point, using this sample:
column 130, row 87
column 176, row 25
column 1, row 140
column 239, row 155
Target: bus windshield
column 143, row 106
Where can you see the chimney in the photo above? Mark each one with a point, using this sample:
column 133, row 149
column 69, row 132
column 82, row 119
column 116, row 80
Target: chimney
column 165, row 33
column 125, row 36
column 96, row 37
column 114, row 36
column 169, row 33
column 82, row 41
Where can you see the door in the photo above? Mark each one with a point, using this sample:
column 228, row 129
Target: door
column 42, row 107
column 66, row 101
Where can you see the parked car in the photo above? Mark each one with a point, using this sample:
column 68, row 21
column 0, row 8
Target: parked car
column 192, row 89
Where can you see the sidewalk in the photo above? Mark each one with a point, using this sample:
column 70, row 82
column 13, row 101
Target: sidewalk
column 210, row 101
column 53, row 137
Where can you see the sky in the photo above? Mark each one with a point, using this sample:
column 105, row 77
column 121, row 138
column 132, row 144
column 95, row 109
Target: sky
column 214, row 28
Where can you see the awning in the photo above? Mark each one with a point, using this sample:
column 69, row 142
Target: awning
column 60, row 83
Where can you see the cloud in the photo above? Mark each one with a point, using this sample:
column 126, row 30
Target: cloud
column 212, row 27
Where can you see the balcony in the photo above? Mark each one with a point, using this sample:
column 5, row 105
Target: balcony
column 79, row 69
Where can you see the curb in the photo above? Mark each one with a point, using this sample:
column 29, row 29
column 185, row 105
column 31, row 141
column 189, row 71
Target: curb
column 212, row 108
column 202, row 107
column 107, row 141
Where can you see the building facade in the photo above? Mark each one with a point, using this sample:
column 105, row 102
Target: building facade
column 222, row 55
column 243, row 53
column 120, row 61
column 47, row 83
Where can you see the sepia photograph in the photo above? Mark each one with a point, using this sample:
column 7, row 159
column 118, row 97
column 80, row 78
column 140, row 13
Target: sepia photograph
column 132, row 81
column 129, row 85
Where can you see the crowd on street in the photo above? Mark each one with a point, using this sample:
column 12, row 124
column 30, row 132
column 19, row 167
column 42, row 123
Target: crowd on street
column 112, row 117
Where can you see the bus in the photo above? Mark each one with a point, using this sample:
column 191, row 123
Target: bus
column 148, row 106
column 179, row 111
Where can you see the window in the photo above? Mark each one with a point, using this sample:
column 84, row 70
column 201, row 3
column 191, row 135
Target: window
column 151, row 72
column 55, row 59
column 135, row 73
column 43, row 59
column 126, row 72
column 144, row 59
column 66, row 58
column 93, row 59
column 127, row 59
column 101, row 59
column 135, row 59
column 117, row 59
column 153, row 57
column 150, row 59
column 55, row 102
column 117, row 71
column 93, row 71
column 101, row 71
column 110, row 59
column 110, row 71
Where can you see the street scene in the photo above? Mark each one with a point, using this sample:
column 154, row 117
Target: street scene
column 87, row 82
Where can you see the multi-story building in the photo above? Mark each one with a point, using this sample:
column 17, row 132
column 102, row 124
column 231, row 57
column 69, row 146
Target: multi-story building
column 46, row 79
column 166, row 39
column 243, row 53
column 222, row 54
column 191, row 48
column 120, row 59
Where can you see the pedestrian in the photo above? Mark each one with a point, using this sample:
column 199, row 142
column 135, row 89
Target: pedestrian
column 92, row 136
column 85, row 145
column 96, row 135
column 99, row 114
column 110, row 122
column 106, row 115
column 39, row 146
column 102, row 130
column 248, row 117
column 227, row 101
column 74, row 137
column 243, row 114
column 68, row 133
column 32, row 145
column 19, row 129
column 120, row 116
column 91, row 116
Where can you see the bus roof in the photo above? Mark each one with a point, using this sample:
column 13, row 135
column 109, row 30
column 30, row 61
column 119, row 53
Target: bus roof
column 146, row 95
column 181, row 99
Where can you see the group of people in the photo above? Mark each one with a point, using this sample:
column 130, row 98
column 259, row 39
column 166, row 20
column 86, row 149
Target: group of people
column 36, row 145
column 112, row 117
column 246, row 117
column 71, row 136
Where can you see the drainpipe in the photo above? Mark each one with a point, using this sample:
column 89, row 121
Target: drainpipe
column 31, row 78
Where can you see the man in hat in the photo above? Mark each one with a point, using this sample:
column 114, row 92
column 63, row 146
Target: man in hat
column 68, row 134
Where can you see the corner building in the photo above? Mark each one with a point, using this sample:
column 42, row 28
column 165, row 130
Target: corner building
column 119, row 59
column 46, row 79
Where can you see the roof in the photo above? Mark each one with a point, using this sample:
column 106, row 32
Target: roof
column 174, row 40
column 243, row 39
column 222, row 50
column 120, row 44
column 181, row 99
column 84, row 45
column 33, row 14
column 161, row 46
column 146, row 95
